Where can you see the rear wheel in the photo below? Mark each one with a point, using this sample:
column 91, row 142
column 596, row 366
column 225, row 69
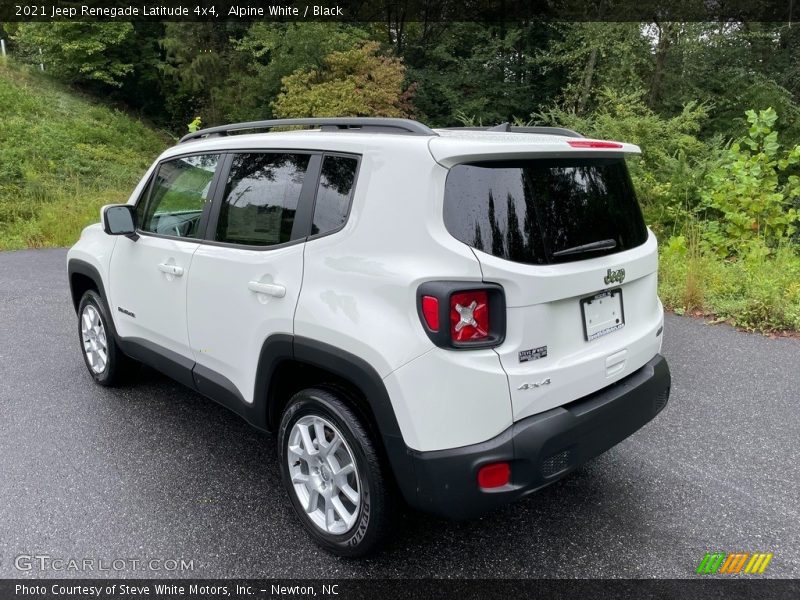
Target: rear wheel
column 332, row 473
column 105, row 361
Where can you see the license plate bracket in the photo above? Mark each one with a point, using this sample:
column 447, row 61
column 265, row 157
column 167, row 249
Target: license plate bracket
column 602, row 314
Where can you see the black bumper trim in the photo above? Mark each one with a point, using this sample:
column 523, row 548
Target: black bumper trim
column 542, row 448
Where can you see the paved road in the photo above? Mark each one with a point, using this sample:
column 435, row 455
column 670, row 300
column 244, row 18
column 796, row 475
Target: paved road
column 156, row 471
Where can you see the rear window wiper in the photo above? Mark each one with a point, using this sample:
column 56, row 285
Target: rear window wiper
column 590, row 247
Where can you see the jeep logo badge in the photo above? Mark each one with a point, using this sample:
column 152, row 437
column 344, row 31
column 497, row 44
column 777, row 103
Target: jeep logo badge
column 617, row 276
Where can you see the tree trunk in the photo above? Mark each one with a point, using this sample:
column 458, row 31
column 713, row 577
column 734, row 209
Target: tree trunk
column 665, row 35
column 587, row 81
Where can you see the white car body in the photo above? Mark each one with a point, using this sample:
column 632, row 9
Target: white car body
column 356, row 290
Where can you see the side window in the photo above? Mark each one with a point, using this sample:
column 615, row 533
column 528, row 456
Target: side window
column 261, row 198
column 178, row 194
column 333, row 194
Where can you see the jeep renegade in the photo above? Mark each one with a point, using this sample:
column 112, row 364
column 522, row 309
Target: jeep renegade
column 449, row 318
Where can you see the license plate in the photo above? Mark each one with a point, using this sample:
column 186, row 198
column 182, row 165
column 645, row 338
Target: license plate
column 603, row 313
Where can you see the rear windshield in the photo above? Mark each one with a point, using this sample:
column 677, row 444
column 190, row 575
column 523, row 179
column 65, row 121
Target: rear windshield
column 545, row 210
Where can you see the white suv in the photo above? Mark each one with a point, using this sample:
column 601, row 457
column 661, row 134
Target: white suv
column 450, row 318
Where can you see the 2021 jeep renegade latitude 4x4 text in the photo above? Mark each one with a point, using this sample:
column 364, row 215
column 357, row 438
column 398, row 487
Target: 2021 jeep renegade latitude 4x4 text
column 447, row 318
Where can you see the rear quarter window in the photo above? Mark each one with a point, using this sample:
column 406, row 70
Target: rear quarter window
column 542, row 211
column 334, row 193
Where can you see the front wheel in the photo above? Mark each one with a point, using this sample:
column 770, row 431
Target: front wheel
column 105, row 361
column 333, row 474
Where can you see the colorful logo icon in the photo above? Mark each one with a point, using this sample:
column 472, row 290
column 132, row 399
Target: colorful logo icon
column 731, row 564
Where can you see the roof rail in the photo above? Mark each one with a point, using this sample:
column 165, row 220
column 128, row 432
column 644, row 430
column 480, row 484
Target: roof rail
column 507, row 127
column 363, row 124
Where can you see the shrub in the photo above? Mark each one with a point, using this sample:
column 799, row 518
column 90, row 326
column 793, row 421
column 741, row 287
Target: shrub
column 748, row 197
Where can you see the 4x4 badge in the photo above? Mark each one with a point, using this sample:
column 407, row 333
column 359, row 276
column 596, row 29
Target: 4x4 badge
column 535, row 384
column 617, row 276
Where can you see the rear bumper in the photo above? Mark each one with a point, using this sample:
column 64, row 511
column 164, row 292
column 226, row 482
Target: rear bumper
column 541, row 449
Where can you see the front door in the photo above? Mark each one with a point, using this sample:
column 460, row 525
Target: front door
column 149, row 275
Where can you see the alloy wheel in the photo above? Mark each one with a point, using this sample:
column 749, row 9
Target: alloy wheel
column 324, row 474
column 93, row 334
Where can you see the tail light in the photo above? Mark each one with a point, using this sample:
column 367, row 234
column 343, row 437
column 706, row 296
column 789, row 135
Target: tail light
column 430, row 311
column 458, row 314
column 469, row 316
column 593, row 144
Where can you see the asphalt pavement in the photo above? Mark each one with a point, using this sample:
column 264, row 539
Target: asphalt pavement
column 156, row 472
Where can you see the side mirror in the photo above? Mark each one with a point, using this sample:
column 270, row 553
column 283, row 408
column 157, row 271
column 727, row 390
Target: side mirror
column 119, row 219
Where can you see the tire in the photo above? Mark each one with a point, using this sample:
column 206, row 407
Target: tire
column 97, row 340
column 372, row 512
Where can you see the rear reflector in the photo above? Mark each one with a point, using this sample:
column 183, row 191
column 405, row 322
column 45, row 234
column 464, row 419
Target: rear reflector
column 593, row 144
column 430, row 310
column 469, row 316
column 494, row 475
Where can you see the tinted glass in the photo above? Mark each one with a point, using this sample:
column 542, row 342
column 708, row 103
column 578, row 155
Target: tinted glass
column 179, row 192
column 532, row 211
column 261, row 198
column 333, row 194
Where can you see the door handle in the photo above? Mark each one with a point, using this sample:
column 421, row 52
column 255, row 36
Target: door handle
column 171, row 269
column 270, row 289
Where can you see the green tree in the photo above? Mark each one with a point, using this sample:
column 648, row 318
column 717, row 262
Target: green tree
column 598, row 56
column 271, row 51
column 85, row 53
column 201, row 70
column 490, row 73
column 729, row 66
column 357, row 82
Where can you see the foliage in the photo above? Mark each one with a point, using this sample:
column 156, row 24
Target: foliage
column 271, row 51
column 752, row 191
column 80, row 52
column 492, row 72
column 753, row 292
column 61, row 158
column 198, row 71
column 733, row 66
column 357, row 82
column 596, row 57
column 489, row 72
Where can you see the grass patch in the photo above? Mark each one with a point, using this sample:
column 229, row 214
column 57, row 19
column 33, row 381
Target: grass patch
column 62, row 156
column 760, row 292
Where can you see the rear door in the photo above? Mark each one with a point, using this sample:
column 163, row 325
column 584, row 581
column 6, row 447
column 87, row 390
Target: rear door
column 566, row 240
column 245, row 280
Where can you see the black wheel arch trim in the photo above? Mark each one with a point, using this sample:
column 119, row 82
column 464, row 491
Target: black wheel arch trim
column 363, row 376
column 75, row 266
